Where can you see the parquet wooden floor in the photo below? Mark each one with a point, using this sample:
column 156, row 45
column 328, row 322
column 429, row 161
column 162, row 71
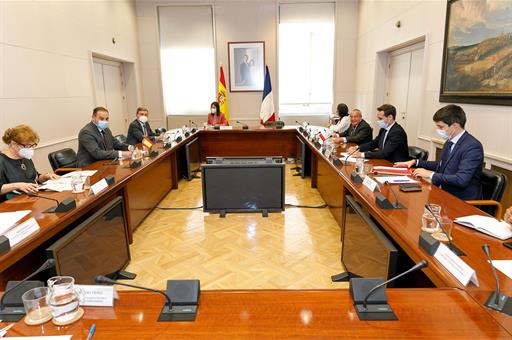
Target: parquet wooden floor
column 296, row 249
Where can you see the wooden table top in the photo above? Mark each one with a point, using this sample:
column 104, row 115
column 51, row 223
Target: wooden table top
column 422, row 313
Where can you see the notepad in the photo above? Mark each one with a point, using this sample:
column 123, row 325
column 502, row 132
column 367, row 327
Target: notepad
column 487, row 225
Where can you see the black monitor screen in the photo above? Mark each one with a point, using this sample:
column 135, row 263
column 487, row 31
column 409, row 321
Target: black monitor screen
column 243, row 188
column 193, row 157
column 98, row 246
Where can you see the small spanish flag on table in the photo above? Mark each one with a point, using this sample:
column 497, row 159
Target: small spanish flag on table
column 147, row 143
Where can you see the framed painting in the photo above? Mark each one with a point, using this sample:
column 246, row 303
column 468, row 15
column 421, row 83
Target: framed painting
column 477, row 54
column 246, row 66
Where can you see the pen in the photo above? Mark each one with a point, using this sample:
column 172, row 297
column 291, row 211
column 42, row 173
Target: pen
column 91, row 331
column 400, row 181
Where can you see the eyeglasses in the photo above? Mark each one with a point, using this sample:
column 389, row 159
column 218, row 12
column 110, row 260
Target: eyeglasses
column 28, row 146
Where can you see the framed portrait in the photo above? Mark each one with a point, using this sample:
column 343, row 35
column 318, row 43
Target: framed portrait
column 246, row 66
column 477, row 53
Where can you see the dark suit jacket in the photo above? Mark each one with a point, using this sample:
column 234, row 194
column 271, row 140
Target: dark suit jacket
column 459, row 172
column 362, row 134
column 91, row 147
column 395, row 147
column 136, row 134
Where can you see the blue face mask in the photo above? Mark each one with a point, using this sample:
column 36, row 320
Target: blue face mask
column 382, row 124
column 443, row 134
column 103, row 124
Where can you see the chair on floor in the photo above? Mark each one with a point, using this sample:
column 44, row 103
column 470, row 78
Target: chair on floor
column 418, row 153
column 63, row 161
column 493, row 187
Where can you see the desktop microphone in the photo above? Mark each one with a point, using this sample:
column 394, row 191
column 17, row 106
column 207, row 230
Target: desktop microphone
column 193, row 129
column 456, row 250
column 113, row 162
column 345, row 162
column 13, row 314
column 384, row 203
column 182, row 307
column 496, row 300
column 377, row 307
column 185, row 131
column 64, row 206
column 244, row 126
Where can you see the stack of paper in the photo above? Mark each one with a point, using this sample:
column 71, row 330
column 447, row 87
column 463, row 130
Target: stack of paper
column 61, row 184
column 9, row 219
column 395, row 179
column 487, row 225
column 391, row 170
column 81, row 173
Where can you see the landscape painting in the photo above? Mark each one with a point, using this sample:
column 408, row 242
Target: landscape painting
column 477, row 56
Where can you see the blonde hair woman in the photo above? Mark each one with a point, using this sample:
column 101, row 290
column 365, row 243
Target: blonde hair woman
column 17, row 171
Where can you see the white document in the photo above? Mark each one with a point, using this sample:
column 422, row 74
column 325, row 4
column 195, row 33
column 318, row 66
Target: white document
column 350, row 159
column 99, row 186
column 8, row 219
column 59, row 185
column 81, row 173
column 22, row 231
column 487, row 225
column 369, row 183
column 227, row 127
column 455, row 265
column 102, row 296
column 51, row 337
column 395, row 179
column 504, row 266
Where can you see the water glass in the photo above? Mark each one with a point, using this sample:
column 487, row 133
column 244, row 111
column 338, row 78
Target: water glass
column 77, row 184
column 429, row 223
column 436, row 209
column 36, row 307
column 360, row 166
column 447, row 225
column 64, row 298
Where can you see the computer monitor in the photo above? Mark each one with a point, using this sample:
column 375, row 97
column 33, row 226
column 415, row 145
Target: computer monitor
column 97, row 246
column 243, row 184
column 303, row 158
column 192, row 158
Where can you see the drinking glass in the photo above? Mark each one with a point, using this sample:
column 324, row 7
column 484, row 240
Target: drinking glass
column 447, row 225
column 429, row 223
column 64, row 298
column 77, row 184
column 36, row 307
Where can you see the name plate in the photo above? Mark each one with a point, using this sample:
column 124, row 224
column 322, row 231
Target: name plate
column 226, row 127
column 99, row 296
column 99, row 186
column 458, row 268
column 22, row 231
column 370, row 183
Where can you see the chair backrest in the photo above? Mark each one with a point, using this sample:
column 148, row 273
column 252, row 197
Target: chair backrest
column 493, row 187
column 160, row 130
column 65, row 158
column 418, row 153
column 121, row 138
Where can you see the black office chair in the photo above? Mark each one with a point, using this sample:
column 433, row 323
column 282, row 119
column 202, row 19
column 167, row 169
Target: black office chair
column 121, row 138
column 418, row 153
column 493, row 187
column 160, row 130
column 63, row 161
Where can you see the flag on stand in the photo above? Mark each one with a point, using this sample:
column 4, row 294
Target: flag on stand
column 324, row 135
column 267, row 112
column 147, row 143
column 222, row 95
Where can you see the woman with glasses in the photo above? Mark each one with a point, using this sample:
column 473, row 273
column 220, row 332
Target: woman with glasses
column 17, row 171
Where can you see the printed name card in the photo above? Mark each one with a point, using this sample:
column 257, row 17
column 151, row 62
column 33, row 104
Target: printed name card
column 458, row 268
column 99, row 186
column 370, row 183
column 99, row 296
column 22, row 231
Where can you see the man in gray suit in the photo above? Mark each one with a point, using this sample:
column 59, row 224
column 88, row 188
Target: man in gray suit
column 95, row 141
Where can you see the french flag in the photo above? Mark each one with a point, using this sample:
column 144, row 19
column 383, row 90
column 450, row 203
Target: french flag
column 267, row 112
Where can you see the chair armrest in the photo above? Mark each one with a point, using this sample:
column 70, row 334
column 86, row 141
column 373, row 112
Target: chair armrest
column 499, row 207
column 63, row 171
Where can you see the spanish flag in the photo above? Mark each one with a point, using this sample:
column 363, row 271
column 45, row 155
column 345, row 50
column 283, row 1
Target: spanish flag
column 222, row 95
column 147, row 143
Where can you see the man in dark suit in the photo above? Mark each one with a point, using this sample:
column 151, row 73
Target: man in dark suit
column 462, row 158
column 95, row 141
column 359, row 131
column 391, row 143
column 140, row 128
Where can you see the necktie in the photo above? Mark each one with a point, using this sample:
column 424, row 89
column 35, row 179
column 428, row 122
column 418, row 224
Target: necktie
column 353, row 130
column 144, row 129
column 446, row 154
column 107, row 143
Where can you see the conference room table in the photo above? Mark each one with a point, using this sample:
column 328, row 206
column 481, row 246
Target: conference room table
column 443, row 313
column 142, row 188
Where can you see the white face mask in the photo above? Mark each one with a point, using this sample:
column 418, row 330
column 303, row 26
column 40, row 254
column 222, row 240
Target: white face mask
column 443, row 134
column 382, row 123
column 143, row 119
column 27, row 153
column 213, row 110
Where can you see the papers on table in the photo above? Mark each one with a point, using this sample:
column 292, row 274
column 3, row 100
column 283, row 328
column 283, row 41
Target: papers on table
column 487, row 225
column 391, row 170
column 81, row 173
column 350, row 159
column 61, row 184
column 395, row 179
column 504, row 266
column 8, row 219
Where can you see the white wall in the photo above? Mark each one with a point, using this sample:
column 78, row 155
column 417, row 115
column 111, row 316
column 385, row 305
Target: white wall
column 238, row 20
column 492, row 125
column 46, row 65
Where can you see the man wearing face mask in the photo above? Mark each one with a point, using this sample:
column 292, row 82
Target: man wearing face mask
column 391, row 143
column 17, row 171
column 462, row 158
column 95, row 141
column 140, row 128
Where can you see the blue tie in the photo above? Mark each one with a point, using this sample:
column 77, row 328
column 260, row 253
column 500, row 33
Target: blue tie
column 446, row 153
